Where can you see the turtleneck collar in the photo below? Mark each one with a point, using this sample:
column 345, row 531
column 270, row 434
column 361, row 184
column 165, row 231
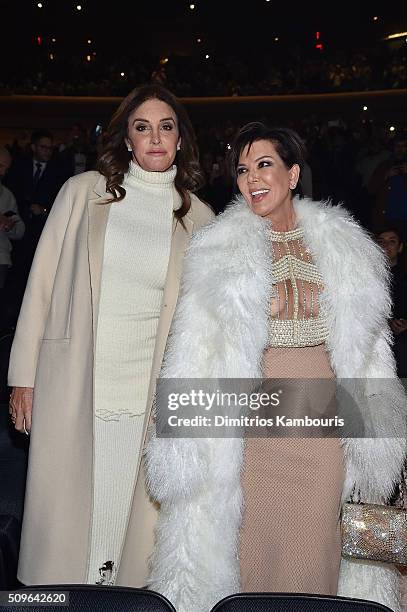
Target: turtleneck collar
column 152, row 178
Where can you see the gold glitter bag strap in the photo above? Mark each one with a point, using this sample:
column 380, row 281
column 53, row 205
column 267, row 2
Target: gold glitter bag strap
column 374, row 532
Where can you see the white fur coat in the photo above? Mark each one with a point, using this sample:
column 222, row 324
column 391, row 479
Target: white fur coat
column 220, row 330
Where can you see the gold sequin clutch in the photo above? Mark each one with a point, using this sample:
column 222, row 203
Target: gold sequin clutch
column 374, row 532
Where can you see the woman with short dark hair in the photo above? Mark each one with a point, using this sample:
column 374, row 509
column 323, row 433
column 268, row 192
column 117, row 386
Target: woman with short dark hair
column 89, row 343
column 295, row 291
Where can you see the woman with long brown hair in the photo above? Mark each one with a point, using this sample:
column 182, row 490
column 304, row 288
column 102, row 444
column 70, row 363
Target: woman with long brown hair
column 89, row 344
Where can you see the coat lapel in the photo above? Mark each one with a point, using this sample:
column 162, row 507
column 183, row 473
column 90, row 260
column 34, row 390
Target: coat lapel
column 98, row 213
column 180, row 240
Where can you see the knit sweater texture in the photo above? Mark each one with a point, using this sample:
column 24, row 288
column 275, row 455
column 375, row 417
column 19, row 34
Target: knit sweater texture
column 136, row 255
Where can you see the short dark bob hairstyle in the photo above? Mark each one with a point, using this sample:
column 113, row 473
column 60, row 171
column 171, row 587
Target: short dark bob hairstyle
column 115, row 158
column 287, row 143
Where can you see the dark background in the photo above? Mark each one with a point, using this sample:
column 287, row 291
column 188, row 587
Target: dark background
column 142, row 32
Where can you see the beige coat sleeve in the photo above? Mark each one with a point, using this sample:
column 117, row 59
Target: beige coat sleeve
column 37, row 297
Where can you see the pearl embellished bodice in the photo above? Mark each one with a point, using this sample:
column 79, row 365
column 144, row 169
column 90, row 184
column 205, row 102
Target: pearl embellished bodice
column 296, row 318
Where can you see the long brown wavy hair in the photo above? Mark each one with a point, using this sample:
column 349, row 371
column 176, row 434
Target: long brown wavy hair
column 115, row 158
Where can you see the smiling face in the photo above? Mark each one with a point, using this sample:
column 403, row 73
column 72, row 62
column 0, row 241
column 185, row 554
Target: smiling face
column 153, row 135
column 266, row 183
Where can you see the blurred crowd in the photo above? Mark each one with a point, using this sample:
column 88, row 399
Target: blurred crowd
column 280, row 72
column 362, row 165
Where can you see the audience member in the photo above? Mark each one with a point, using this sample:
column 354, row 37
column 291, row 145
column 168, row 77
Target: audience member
column 391, row 242
column 374, row 153
column 75, row 156
column 11, row 228
column 389, row 186
column 333, row 70
column 159, row 75
column 35, row 181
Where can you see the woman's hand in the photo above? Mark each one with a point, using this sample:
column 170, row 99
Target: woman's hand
column 20, row 408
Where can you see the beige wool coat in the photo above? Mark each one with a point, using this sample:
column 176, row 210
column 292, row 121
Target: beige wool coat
column 53, row 351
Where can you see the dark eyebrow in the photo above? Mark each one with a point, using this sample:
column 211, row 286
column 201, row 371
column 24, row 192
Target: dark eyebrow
column 258, row 159
column 263, row 157
column 147, row 121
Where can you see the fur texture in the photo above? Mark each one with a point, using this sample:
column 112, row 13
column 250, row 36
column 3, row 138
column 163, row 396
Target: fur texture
column 220, row 331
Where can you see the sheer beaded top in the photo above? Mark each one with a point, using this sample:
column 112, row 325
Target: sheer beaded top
column 296, row 319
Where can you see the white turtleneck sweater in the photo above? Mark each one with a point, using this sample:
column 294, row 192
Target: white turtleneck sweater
column 136, row 254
